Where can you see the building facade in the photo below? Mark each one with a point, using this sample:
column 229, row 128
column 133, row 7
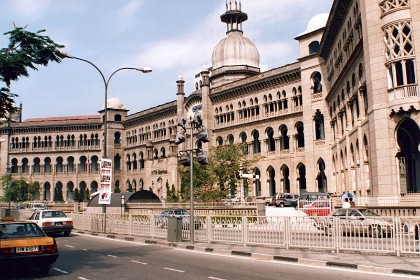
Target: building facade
column 343, row 117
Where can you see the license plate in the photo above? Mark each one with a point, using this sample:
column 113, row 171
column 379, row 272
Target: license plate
column 58, row 223
column 27, row 249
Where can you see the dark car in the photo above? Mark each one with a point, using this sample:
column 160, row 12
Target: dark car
column 286, row 200
column 24, row 245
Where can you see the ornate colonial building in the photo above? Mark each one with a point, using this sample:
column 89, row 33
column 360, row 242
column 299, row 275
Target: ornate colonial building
column 343, row 117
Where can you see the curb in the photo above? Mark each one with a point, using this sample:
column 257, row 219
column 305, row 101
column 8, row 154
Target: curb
column 258, row 256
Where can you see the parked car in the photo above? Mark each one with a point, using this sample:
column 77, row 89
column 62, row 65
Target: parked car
column 53, row 221
column 36, row 206
column 317, row 208
column 24, row 245
column 162, row 219
column 356, row 221
column 285, row 199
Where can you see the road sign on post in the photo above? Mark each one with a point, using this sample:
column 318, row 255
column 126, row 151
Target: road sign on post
column 105, row 188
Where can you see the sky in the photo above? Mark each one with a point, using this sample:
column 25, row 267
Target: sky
column 173, row 37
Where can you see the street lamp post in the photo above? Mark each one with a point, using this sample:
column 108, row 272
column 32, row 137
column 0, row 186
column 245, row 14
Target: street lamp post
column 106, row 83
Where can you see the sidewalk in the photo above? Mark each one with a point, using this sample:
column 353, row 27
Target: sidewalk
column 409, row 265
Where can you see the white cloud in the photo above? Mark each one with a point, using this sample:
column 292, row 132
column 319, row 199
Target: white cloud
column 130, row 9
column 29, row 9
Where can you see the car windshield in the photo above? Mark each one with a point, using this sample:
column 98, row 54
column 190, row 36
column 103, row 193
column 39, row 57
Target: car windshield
column 20, row 230
column 368, row 212
column 53, row 214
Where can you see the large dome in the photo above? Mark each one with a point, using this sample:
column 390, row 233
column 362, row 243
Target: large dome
column 315, row 23
column 235, row 49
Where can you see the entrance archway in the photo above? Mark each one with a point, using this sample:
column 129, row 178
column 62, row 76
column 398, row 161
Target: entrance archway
column 408, row 158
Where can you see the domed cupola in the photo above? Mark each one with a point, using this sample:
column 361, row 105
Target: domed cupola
column 234, row 57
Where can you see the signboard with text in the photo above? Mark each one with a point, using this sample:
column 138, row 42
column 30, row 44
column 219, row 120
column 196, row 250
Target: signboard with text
column 105, row 187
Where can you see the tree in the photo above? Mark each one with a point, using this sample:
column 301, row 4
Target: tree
column 78, row 196
column 213, row 181
column 25, row 51
column 18, row 190
column 117, row 189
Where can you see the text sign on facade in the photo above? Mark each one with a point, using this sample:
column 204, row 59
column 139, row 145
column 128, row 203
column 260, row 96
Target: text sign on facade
column 106, row 179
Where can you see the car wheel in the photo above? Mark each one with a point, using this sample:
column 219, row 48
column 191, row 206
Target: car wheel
column 375, row 231
column 66, row 233
column 281, row 205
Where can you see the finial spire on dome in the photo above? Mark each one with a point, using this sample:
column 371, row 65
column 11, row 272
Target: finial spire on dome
column 234, row 16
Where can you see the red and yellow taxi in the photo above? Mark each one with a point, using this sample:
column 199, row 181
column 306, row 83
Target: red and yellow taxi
column 25, row 245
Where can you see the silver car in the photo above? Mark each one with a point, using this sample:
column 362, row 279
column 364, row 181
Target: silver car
column 355, row 221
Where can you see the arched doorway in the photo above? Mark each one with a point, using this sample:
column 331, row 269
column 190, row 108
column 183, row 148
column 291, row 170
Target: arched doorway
column 321, row 178
column 301, row 177
column 408, row 158
column 70, row 191
column 285, row 178
column 257, row 182
column 58, row 191
column 47, row 191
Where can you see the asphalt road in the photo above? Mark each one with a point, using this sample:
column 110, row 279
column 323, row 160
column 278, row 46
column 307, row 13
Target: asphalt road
column 88, row 258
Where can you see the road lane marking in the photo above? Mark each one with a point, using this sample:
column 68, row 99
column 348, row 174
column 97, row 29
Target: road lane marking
column 138, row 262
column 172, row 269
column 59, row 270
column 84, row 249
column 112, row 256
column 82, row 278
column 70, row 246
column 215, row 278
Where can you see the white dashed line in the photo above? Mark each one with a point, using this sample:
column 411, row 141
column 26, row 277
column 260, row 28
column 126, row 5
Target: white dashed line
column 112, row 256
column 215, row 278
column 172, row 269
column 82, row 278
column 138, row 262
column 59, row 270
column 70, row 246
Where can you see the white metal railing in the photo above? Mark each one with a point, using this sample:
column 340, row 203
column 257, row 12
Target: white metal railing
column 388, row 235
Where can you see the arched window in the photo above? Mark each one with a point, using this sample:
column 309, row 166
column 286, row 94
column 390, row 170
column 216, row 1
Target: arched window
column 316, row 82
column 243, row 138
column 300, row 135
column 319, row 125
column 271, row 143
column 219, row 141
column 284, row 144
column 230, row 139
column 117, row 138
column 117, row 118
column 256, row 144
column 313, row 47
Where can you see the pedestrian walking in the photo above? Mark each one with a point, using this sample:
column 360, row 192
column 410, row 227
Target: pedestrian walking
column 352, row 204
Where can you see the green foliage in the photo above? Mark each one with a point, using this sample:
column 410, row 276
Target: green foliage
column 217, row 179
column 58, row 194
column 25, row 51
column 171, row 193
column 18, row 190
column 117, row 189
column 78, row 196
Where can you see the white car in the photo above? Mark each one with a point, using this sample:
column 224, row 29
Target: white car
column 53, row 221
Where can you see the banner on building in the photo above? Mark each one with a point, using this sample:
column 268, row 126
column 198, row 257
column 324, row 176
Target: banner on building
column 105, row 187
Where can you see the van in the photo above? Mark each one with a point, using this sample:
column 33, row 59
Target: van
column 36, row 206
